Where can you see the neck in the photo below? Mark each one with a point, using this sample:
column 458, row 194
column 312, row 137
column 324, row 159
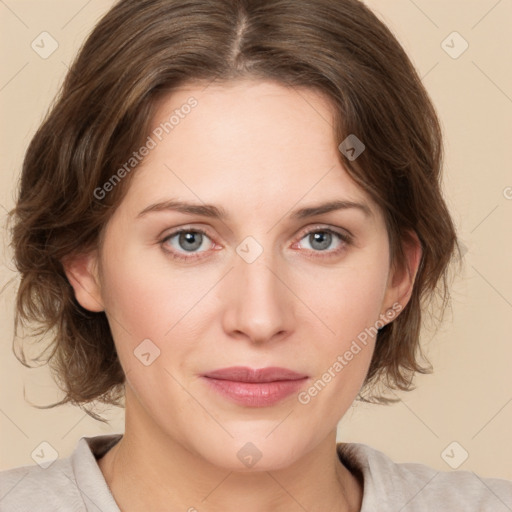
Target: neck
column 149, row 470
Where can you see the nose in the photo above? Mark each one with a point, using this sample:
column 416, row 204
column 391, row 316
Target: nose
column 259, row 306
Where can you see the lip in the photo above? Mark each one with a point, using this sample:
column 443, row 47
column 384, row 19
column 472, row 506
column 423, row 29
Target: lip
column 246, row 374
column 255, row 387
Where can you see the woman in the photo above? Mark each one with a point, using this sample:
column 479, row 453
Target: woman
column 232, row 221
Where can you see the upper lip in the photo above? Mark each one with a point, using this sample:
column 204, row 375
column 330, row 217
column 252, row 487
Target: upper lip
column 246, row 374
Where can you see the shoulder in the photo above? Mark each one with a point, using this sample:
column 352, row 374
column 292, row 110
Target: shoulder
column 412, row 487
column 30, row 487
column 66, row 484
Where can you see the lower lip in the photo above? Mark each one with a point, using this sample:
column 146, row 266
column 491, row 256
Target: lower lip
column 256, row 394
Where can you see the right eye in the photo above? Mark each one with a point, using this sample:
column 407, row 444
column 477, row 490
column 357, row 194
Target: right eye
column 183, row 241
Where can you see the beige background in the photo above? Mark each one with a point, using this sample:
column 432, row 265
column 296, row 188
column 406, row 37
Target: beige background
column 469, row 397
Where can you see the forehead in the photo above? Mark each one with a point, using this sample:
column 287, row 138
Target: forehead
column 261, row 140
column 259, row 109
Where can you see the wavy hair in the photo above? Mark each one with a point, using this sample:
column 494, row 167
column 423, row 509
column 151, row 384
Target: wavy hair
column 140, row 51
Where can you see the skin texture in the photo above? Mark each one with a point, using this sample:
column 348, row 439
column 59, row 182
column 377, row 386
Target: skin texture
column 259, row 150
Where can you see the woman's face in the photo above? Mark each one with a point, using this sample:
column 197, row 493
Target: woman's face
column 260, row 286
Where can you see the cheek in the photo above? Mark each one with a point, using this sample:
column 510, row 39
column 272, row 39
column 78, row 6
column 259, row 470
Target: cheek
column 350, row 309
column 349, row 306
column 150, row 300
column 148, row 297
column 348, row 301
column 132, row 302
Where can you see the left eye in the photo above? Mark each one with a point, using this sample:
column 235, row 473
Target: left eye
column 321, row 240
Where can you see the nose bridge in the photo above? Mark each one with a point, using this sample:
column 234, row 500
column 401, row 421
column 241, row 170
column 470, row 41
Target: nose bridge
column 261, row 305
column 255, row 269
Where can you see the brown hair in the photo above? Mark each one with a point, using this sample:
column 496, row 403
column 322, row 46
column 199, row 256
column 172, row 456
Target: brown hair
column 141, row 50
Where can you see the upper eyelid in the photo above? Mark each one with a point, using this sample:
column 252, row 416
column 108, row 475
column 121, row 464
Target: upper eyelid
column 323, row 227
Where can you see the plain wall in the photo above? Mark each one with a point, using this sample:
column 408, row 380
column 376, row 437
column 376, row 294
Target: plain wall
column 468, row 398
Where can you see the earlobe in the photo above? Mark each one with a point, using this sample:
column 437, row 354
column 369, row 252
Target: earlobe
column 82, row 273
column 401, row 280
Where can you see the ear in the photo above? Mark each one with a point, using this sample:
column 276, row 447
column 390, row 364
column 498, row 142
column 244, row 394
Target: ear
column 401, row 279
column 82, row 273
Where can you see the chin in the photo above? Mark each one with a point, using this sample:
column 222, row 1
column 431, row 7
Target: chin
column 252, row 452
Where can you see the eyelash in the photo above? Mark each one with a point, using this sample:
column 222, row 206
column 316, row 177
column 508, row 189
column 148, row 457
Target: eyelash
column 345, row 238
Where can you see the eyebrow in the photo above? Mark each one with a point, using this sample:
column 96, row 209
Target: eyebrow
column 217, row 212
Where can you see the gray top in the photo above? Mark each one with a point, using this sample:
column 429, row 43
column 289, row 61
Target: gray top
column 76, row 484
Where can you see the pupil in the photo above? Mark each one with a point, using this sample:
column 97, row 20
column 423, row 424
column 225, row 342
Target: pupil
column 323, row 238
column 189, row 237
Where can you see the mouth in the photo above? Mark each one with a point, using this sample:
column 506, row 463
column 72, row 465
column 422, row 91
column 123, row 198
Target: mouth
column 245, row 374
column 255, row 387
